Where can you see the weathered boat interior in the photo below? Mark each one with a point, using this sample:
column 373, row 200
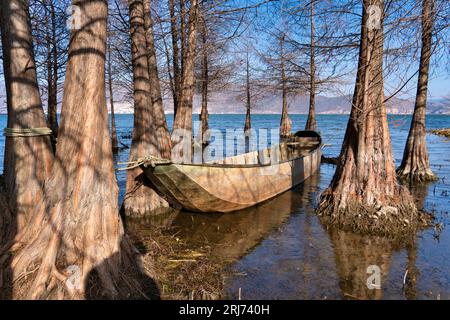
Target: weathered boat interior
column 300, row 145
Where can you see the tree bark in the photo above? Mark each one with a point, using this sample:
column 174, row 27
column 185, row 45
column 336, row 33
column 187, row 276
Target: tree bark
column 311, row 121
column 176, row 87
column 182, row 125
column 114, row 140
column 159, row 124
column 75, row 242
column 205, row 82
column 285, row 122
column 248, row 123
column 183, row 39
column 140, row 198
column 28, row 160
column 54, row 93
column 364, row 194
column 415, row 166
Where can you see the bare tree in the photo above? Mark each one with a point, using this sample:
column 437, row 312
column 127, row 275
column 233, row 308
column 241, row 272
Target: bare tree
column 28, row 159
column 182, row 125
column 78, row 225
column 364, row 193
column 311, row 121
column 140, row 198
column 204, row 78
column 415, row 166
column 114, row 140
column 176, row 80
column 248, row 104
column 50, row 41
column 159, row 125
column 285, row 122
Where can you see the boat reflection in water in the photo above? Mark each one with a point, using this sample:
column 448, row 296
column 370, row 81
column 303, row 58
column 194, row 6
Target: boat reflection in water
column 230, row 236
column 280, row 250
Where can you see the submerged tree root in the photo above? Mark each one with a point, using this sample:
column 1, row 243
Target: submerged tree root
column 384, row 220
column 142, row 199
column 416, row 177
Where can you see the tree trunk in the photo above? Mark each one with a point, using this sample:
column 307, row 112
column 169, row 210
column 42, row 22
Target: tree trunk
column 285, row 122
column 140, row 198
column 75, row 245
column 52, row 70
column 182, row 125
column 114, row 141
column 364, row 194
column 176, row 88
column 415, row 165
column 205, row 81
column 183, row 34
column 311, row 121
column 248, row 123
column 28, row 160
column 159, row 124
column 54, row 94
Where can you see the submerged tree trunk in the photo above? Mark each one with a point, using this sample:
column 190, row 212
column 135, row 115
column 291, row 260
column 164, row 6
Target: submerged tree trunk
column 159, row 124
column 285, row 122
column 28, row 160
column 415, row 165
column 182, row 125
column 364, row 194
column 75, row 247
column 205, row 82
column 140, row 198
column 114, row 141
column 248, row 123
column 311, row 121
column 176, row 87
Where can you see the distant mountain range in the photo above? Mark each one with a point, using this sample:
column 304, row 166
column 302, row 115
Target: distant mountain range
column 229, row 102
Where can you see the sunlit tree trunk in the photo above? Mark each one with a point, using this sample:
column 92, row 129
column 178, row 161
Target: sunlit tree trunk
column 364, row 194
column 28, row 160
column 182, row 125
column 159, row 124
column 311, row 121
column 114, row 141
column 285, row 122
column 140, row 198
column 415, row 166
column 76, row 230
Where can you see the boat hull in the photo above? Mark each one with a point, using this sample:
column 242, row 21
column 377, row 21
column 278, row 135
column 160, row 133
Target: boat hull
column 216, row 188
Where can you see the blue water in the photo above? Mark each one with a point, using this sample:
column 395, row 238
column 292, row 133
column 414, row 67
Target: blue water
column 284, row 250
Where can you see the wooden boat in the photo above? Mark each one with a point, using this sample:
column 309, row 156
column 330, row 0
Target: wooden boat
column 240, row 181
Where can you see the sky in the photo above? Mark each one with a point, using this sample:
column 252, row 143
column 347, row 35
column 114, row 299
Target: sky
column 439, row 82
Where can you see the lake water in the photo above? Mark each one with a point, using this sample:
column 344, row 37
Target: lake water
column 280, row 250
